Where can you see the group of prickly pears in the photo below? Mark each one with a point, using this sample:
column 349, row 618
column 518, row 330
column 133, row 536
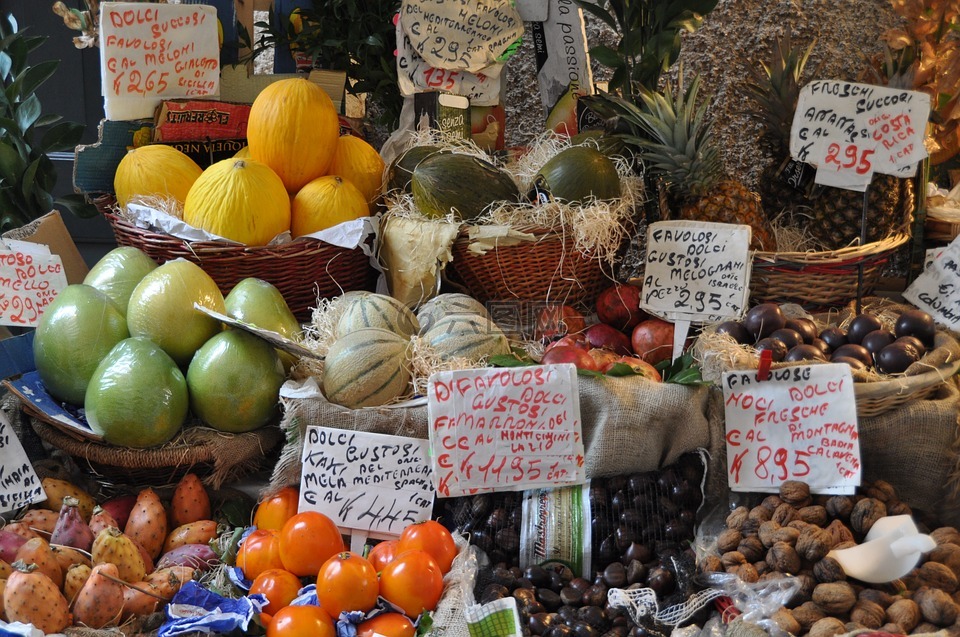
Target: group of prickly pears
column 73, row 562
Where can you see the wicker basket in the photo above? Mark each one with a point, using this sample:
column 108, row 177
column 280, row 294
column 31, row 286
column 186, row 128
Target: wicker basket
column 550, row 268
column 874, row 399
column 940, row 230
column 821, row 279
column 302, row 270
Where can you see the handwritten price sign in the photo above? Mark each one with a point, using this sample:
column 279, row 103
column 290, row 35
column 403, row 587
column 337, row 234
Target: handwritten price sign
column 800, row 424
column 696, row 271
column 850, row 131
column 937, row 289
column 366, row 481
column 19, row 484
column 151, row 50
column 506, row 429
column 29, row 282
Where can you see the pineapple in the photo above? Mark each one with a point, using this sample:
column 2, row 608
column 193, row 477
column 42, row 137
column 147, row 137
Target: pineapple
column 678, row 146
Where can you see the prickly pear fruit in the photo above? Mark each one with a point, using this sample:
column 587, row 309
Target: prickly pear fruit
column 198, row 556
column 6, row 569
column 199, row 532
column 100, row 601
column 140, row 598
column 169, row 580
column 101, row 519
column 190, row 501
column 147, row 524
column 119, row 508
column 37, row 551
column 74, row 580
column 9, row 544
column 67, row 556
column 112, row 546
column 3, row 585
column 40, row 520
column 22, row 530
column 57, row 490
column 33, row 598
column 148, row 564
column 71, row 530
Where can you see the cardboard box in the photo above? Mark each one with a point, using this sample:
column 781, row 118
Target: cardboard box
column 49, row 230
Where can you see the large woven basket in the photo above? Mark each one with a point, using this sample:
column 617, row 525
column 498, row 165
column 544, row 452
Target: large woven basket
column 821, row 279
column 303, row 270
column 874, row 399
column 548, row 269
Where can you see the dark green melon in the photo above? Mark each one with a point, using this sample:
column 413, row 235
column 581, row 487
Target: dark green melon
column 580, row 173
column 465, row 184
column 401, row 169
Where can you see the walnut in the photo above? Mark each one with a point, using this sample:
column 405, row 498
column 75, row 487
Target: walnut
column 814, row 514
column 867, row 613
column 852, row 626
column 711, row 564
column 839, row 507
column 925, row 628
column 808, row 614
column 936, row 606
column 876, row 596
column 766, row 531
column 814, row 543
column 899, row 508
column 948, row 555
column 904, row 613
column 752, row 548
column 865, row 513
column 737, row 517
column 784, row 514
column 798, row 525
column 843, row 545
column 769, row 576
column 785, row 534
column 750, row 526
column 771, row 502
column 835, row 598
column 828, row 570
column 785, row 620
column 783, row 558
column 795, row 492
column 807, row 584
column 827, row 627
column 728, row 540
column 938, row 576
column 763, row 568
column 883, row 491
column 760, row 514
column 946, row 535
column 890, row 629
column 746, row 572
column 840, row 532
column 732, row 559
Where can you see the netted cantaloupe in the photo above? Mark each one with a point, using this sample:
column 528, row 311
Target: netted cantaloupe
column 376, row 310
column 154, row 170
column 359, row 163
column 324, row 203
column 448, row 304
column 241, row 200
column 366, row 368
column 293, row 127
column 467, row 336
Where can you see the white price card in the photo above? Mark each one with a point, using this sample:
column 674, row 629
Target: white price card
column 374, row 483
column 30, row 279
column 798, row 424
column 509, row 429
column 849, row 131
column 937, row 290
column 19, row 484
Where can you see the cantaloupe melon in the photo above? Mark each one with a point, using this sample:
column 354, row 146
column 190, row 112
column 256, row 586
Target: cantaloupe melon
column 366, row 368
column 448, row 304
column 376, row 310
column 467, row 336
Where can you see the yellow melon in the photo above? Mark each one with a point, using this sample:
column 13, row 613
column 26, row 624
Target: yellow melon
column 325, row 202
column 361, row 164
column 154, row 170
column 241, row 200
column 293, row 128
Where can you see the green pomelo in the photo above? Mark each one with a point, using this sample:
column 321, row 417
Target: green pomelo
column 260, row 303
column 161, row 309
column 75, row 332
column 234, row 382
column 119, row 272
column 578, row 174
column 467, row 185
column 401, row 169
column 366, row 368
column 448, row 304
column 376, row 310
column 467, row 336
column 137, row 396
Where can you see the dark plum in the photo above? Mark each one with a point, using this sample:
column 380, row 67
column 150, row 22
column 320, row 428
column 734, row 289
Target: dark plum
column 896, row 358
column 853, row 350
column 821, row 344
column 804, row 352
column 806, row 327
column 790, row 338
column 834, row 337
column 861, row 325
column 762, row 320
column 736, row 331
column 854, row 363
column 877, row 340
column 913, row 340
column 778, row 349
column 916, row 323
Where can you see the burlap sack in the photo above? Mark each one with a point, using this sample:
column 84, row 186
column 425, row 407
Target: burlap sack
column 629, row 425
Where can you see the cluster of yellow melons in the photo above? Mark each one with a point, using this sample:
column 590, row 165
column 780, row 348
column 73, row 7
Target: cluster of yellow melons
column 298, row 174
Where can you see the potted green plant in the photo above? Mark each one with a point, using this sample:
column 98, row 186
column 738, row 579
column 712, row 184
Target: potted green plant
column 27, row 135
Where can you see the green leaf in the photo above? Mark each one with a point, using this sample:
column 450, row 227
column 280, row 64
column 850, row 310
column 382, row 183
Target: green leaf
column 606, row 56
column 28, row 181
column 47, row 119
column 11, row 164
column 597, row 12
column 509, row 360
column 5, row 65
column 34, row 76
column 62, row 137
column 621, row 369
column 589, row 372
column 28, row 112
column 425, row 625
column 78, row 206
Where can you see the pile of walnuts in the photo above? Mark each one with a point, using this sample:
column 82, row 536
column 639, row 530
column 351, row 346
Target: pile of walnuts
column 791, row 534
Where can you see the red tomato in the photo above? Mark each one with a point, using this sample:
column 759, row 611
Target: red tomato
column 388, row 625
column 277, row 509
column 432, row 537
column 259, row 552
column 279, row 586
column 307, row 540
column 301, row 621
column 413, row 582
column 347, row 581
column 382, row 554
